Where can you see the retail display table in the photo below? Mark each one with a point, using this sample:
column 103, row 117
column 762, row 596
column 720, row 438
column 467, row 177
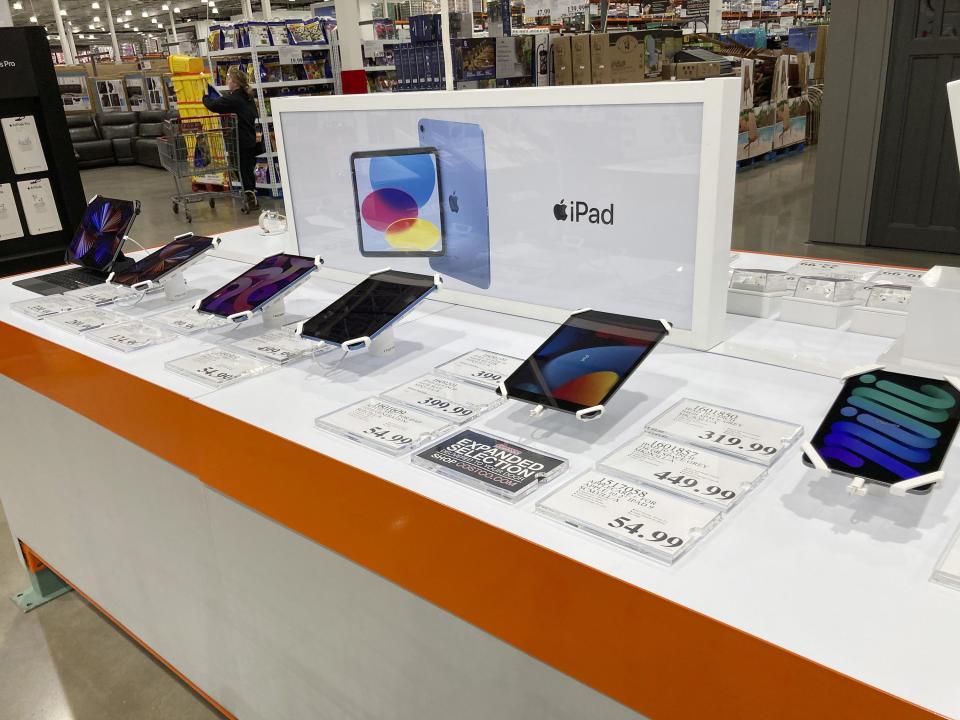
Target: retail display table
column 801, row 596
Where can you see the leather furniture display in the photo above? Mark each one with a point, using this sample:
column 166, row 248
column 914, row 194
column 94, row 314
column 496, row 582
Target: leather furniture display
column 121, row 129
column 118, row 138
column 145, row 151
column 89, row 146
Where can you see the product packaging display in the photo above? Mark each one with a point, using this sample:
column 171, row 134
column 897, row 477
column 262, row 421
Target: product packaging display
column 756, row 293
column 130, row 336
column 752, row 437
column 455, row 400
column 280, row 346
column 104, row 294
column 481, row 367
column 495, row 465
column 889, row 297
column 187, row 321
column 384, row 426
column 219, row 367
column 86, row 319
column 890, row 429
column 46, row 306
column 825, row 289
column 760, row 281
column 701, row 475
column 885, row 312
column 640, row 517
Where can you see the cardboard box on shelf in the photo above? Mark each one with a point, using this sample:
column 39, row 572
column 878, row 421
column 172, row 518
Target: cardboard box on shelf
column 580, row 54
column 541, row 59
column 599, row 49
column 820, row 58
column 562, row 50
column 692, row 70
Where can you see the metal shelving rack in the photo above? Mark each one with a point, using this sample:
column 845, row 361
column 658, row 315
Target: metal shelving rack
column 273, row 184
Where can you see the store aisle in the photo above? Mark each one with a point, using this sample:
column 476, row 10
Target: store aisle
column 66, row 661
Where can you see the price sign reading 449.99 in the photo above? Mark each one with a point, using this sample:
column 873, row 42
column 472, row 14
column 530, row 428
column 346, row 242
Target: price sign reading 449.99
column 751, row 437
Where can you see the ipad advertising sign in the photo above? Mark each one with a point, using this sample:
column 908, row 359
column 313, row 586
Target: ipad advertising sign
column 527, row 199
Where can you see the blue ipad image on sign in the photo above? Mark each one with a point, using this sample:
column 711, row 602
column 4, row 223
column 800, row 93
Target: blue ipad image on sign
column 397, row 199
column 889, row 427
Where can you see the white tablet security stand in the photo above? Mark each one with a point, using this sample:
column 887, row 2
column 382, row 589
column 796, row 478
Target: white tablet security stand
column 858, row 486
column 583, row 414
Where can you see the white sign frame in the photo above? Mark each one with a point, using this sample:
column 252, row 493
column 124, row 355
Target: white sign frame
column 720, row 100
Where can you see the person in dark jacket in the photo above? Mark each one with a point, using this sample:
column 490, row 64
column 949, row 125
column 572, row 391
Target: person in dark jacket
column 239, row 101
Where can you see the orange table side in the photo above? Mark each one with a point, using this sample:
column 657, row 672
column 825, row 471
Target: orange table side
column 658, row 657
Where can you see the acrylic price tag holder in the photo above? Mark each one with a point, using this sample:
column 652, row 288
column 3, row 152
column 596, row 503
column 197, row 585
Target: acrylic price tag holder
column 481, row 367
column 281, row 346
column 717, row 480
column 385, row 426
column 751, row 437
column 947, row 571
column 130, row 336
column 640, row 517
column 219, row 367
column 456, row 401
column 492, row 464
column 86, row 319
column 187, row 321
column 42, row 307
column 105, row 294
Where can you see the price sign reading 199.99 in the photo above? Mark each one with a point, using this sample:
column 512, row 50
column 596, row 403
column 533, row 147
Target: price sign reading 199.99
column 751, row 437
column 684, row 469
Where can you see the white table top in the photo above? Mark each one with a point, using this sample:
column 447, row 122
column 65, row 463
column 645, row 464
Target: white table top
column 841, row 580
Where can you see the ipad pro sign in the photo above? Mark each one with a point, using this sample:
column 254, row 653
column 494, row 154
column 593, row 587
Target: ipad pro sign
column 505, row 202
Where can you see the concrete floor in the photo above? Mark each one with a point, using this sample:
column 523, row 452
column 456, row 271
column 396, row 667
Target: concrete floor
column 66, row 661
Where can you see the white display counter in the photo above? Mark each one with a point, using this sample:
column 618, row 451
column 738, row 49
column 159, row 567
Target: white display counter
column 264, row 618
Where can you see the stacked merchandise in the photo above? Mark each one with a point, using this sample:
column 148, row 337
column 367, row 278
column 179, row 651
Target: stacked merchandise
column 420, row 62
column 624, row 57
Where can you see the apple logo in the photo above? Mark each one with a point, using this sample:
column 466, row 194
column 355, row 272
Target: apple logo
column 453, row 202
column 560, row 211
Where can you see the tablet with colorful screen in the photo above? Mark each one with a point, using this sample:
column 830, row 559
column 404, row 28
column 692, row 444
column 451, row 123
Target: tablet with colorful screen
column 585, row 361
column 887, row 427
column 397, row 200
column 265, row 281
column 99, row 237
column 171, row 257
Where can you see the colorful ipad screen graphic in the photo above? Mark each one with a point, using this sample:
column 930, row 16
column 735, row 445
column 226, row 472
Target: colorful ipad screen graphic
column 889, row 427
column 397, row 195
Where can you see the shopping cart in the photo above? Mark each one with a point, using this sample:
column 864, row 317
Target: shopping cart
column 200, row 146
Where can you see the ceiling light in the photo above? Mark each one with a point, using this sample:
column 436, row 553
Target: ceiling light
column 144, row 14
column 215, row 11
column 33, row 18
column 126, row 25
column 153, row 20
column 18, row 5
column 159, row 26
column 63, row 13
column 90, row 27
column 176, row 9
column 164, row 7
column 136, row 29
column 128, row 12
column 95, row 5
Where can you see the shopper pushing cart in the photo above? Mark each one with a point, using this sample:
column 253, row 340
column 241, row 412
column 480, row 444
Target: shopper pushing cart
column 239, row 101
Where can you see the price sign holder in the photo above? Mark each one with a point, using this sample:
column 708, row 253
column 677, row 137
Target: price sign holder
column 494, row 465
column 42, row 307
column 187, row 321
column 130, row 336
column 281, row 346
column 947, row 571
column 714, row 479
column 446, row 397
column 86, row 319
column 219, row 367
column 481, row 367
column 644, row 519
column 747, row 436
column 384, row 426
column 105, row 294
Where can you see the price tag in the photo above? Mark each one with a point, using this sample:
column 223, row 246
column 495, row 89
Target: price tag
column 186, row 321
column 372, row 48
column 481, row 367
column 130, row 336
column 50, row 305
column 446, row 397
column 281, row 346
column 383, row 425
column 897, row 276
column 218, row 367
column 640, row 517
column 290, row 55
column 686, row 470
column 102, row 294
column 753, row 437
column 81, row 321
